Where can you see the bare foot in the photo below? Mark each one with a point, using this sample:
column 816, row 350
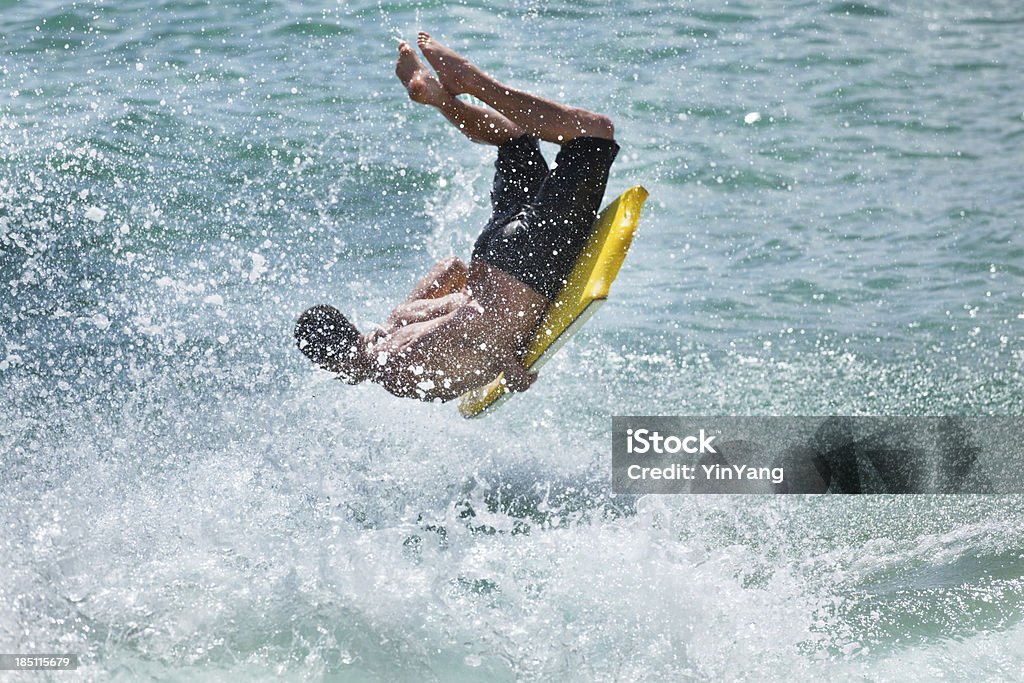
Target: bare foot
column 420, row 83
column 454, row 71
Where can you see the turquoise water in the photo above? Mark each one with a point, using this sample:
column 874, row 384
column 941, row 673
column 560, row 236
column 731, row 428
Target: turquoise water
column 184, row 497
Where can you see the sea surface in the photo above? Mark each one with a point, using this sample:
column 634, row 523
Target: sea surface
column 184, row 497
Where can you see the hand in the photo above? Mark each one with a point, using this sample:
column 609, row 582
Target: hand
column 516, row 379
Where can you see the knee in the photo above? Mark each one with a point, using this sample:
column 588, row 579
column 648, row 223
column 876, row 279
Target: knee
column 600, row 126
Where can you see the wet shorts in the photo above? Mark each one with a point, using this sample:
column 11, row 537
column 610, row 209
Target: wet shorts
column 542, row 217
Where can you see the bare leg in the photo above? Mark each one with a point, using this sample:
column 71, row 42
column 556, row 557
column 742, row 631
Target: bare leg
column 480, row 124
column 550, row 121
column 476, row 123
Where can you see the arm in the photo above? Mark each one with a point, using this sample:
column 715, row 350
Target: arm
column 447, row 276
column 423, row 309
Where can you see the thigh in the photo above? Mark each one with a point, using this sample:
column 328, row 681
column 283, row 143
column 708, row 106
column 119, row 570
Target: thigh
column 574, row 188
column 566, row 205
column 518, row 174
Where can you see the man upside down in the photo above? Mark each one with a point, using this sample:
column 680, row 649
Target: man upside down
column 462, row 325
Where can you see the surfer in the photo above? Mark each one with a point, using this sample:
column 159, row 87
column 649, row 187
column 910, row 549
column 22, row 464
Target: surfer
column 463, row 324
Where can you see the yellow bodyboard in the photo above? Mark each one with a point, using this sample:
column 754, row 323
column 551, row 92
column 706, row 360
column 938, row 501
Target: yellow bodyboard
column 585, row 290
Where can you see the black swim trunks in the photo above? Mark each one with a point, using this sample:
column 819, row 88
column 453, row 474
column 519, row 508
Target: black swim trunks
column 542, row 217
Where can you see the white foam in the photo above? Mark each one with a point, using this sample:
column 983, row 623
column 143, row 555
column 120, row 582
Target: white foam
column 95, row 214
column 259, row 266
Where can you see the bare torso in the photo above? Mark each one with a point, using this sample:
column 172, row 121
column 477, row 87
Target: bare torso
column 453, row 336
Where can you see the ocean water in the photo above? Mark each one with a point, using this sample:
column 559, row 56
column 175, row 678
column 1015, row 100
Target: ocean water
column 183, row 497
